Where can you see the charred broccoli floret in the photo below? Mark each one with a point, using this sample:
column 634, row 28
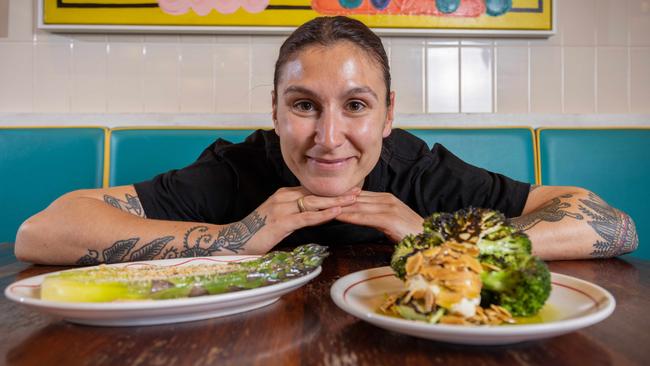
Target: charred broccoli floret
column 522, row 288
column 409, row 246
column 498, row 242
column 505, row 251
column 468, row 224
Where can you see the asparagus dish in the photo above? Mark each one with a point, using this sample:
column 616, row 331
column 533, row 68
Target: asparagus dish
column 112, row 283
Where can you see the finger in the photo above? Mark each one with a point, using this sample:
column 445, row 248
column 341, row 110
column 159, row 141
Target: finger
column 376, row 197
column 287, row 194
column 363, row 219
column 373, row 194
column 385, row 223
column 310, row 218
column 316, row 203
column 367, row 208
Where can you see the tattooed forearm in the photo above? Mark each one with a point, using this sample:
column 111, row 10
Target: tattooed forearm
column 616, row 229
column 199, row 242
column 553, row 212
column 122, row 251
column 132, row 204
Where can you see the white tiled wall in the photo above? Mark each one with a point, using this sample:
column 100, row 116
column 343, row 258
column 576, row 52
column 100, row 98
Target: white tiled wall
column 598, row 63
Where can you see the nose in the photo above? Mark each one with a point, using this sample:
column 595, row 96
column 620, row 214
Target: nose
column 330, row 130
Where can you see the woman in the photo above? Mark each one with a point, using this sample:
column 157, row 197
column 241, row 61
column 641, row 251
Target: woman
column 331, row 171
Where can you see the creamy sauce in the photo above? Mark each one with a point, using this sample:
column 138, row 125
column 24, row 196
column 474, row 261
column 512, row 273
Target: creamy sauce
column 418, row 282
column 466, row 307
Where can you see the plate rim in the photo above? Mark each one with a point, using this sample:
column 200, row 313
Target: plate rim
column 223, row 298
column 341, row 286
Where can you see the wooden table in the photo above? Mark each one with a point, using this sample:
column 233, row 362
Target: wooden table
column 306, row 327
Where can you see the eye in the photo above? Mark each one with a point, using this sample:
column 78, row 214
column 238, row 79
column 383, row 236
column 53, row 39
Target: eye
column 304, row 106
column 356, row 106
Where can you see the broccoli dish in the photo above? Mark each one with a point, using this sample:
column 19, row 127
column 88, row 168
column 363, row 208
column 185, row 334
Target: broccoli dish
column 468, row 267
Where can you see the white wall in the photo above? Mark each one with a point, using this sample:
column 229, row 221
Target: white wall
column 598, row 65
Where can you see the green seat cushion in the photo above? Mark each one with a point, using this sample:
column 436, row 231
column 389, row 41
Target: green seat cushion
column 508, row 151
column 613, row 163
column 140, row 154
column 37, row 165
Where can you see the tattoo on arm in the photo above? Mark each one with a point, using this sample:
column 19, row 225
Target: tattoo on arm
column 553, row 212
column 120, row 250
column 233, row 237
column 615, row 228
column 197, row 242
column 132, row 204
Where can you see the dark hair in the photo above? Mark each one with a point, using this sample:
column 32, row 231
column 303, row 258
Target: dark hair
column 326, row 31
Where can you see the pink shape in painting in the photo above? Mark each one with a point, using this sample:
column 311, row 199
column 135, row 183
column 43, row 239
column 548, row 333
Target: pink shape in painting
column 204, row 7
column 226, row 6
column 174, row 7
column 254, row 6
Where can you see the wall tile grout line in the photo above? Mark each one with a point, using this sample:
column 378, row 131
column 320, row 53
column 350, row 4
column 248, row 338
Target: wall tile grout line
column 528, row 76
column 460, row 79
column 595, row 56
column 495, row 81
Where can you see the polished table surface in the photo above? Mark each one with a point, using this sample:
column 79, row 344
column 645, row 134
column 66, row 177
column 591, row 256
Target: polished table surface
column 306, row 327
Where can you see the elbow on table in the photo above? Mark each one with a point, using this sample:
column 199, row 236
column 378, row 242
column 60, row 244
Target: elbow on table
column 36, row 236
column 27, row 240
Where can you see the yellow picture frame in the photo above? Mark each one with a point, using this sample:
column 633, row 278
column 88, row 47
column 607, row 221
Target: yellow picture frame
column 510, row 18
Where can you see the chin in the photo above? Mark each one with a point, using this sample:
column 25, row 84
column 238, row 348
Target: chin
column 328, row 188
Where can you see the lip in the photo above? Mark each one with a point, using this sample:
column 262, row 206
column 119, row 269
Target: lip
column 328, row 164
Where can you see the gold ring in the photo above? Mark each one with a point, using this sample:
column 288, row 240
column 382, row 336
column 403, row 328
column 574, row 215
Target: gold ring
column 301, row 204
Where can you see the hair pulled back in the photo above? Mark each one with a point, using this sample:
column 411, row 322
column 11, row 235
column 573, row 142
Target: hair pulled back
column 326, row 31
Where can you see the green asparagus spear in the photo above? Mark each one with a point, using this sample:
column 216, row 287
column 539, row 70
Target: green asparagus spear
column 104, row 283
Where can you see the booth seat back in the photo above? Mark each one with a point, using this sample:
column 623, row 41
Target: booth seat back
column 509, row 151
column 139, row 154
column 37, row 165
column 613, row 163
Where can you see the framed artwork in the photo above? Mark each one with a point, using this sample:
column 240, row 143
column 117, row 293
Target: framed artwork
column 515, row 18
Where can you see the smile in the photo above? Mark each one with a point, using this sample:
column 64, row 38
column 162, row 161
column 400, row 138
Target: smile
column 328, row 164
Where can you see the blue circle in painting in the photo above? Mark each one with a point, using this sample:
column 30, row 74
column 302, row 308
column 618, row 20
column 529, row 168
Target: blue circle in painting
column 497, row 7
column 380, row 4
column 350, row 4
column 447, row 6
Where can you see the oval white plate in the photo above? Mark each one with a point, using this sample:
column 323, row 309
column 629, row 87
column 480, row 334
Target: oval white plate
column 573, row 304
column 149, row 312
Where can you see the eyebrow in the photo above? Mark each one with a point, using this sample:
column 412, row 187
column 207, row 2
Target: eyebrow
column 303, row 90
column 299, row 89
column 361, row 90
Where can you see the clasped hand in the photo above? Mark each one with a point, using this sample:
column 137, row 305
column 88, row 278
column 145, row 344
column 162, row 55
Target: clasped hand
column 284, row 214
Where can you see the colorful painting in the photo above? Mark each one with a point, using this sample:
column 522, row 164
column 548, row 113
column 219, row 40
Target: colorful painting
column 482, row 17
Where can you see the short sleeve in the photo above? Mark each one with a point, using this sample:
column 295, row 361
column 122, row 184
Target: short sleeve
column 200, row 192
column 447, row 184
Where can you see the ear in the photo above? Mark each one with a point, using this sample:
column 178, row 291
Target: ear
column 390, row 116
column 274, row 112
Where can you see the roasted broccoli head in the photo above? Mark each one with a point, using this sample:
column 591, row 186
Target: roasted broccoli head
column 522, row 288
column 512, row 277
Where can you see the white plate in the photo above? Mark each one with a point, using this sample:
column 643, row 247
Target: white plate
column 573, row 304
column 149, row 312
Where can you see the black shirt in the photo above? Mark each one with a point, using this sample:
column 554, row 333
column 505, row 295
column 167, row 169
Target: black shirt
column 229, row 181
